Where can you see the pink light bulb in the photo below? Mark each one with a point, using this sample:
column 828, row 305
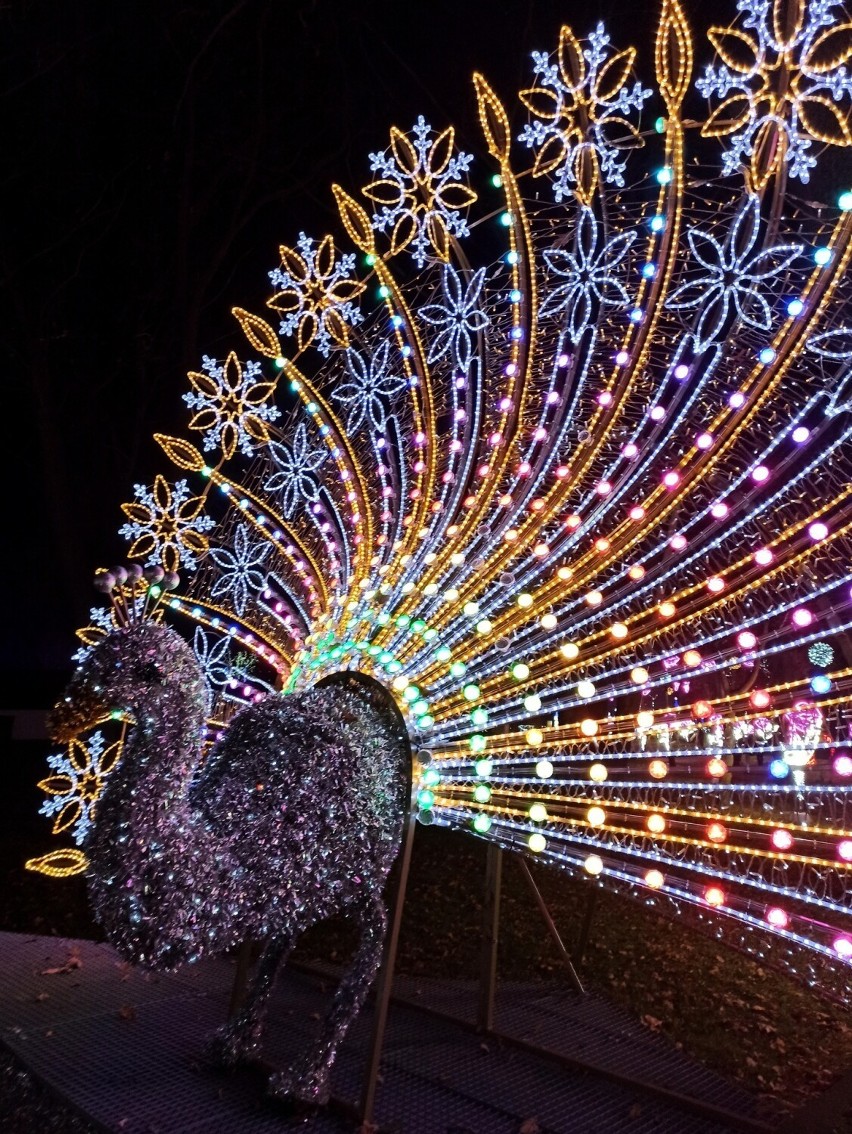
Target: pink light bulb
column 802, row 617
column 719, row 511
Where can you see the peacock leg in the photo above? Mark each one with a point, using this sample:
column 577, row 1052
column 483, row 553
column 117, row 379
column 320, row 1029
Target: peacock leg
column 239, row 1040
column 307, row 1080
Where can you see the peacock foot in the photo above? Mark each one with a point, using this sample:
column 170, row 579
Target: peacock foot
column 230, row 1047
column 309, row 1088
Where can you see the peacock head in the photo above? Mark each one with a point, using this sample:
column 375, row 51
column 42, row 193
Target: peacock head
column 132, row 669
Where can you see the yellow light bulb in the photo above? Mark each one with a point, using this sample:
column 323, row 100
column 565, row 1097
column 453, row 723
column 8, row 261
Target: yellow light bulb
column 588, row 727
column 598, row 773
column 534, row 737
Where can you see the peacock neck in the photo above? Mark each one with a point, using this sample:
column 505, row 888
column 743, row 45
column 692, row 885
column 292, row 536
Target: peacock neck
column 148, row 842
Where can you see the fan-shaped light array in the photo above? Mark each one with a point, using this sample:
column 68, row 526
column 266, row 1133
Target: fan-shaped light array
column 583, row 505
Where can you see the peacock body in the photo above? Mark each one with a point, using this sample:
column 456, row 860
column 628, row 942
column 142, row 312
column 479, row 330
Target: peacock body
column 556, row 447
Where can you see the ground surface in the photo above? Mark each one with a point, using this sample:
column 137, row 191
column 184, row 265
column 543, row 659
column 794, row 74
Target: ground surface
column 761, row 1029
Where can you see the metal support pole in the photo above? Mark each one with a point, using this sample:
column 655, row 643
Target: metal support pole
column 551, row 925
column 585, row 929
column 490, row 938
column 238, row 988
column 385, row 981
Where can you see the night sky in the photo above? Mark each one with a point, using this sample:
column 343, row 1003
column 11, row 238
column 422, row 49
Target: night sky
column 155, row 155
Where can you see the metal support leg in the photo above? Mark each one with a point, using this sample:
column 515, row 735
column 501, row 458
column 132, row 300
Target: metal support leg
column 490, row 938
column 585, row 929
column 551, row 926
column 385, row 982
column 238, row 989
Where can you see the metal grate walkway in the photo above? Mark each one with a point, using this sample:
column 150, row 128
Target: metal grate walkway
column 123, row 1047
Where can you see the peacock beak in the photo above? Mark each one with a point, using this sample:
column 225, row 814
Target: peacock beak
column 79, row 709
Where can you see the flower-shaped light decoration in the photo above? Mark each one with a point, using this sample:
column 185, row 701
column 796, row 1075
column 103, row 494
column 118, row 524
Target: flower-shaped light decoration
column 231, row 405
column 836, row 346
column 460, row 317
column 214, row 657
column 782, row 84
column 316, row 294
column 241, row 569
column 294, row 478
column 733, row 277
column 421, row 191
column 167, row 525
column 77, row 782
column 579, row 108
column 371, row 384
column 590, row 274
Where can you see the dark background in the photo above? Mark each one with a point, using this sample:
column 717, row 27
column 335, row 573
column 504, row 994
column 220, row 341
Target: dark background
column 155, row 154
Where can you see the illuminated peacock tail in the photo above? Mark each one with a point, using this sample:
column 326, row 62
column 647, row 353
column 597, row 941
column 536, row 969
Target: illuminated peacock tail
column 565, row 462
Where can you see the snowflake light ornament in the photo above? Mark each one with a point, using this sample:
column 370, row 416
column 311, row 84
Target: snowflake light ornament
column 230, row 405
column 460, row 317
column 371, row 384
column 293, row 478
column 579, row 108
column 166, row 525
column 734, row 278
column 316, row 296
column 77, row 782
column 240, row 569
column 590, row 274
column 782, row 79
column 836, row 346
column 421, row 191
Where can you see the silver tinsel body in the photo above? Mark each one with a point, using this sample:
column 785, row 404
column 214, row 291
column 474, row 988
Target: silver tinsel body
column 294, row 816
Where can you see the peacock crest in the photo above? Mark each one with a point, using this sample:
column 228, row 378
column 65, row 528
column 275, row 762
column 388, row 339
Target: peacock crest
column 554, row 443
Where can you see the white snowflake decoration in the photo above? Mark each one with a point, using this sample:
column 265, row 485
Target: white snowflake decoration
column 166, row 523
column 316, row 293
column 594, row 81
column 421, row 189
column 76, row 782
column 807, row 107
column 229, row 400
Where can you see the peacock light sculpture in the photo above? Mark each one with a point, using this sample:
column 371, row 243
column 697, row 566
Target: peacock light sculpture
column 582, row 507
